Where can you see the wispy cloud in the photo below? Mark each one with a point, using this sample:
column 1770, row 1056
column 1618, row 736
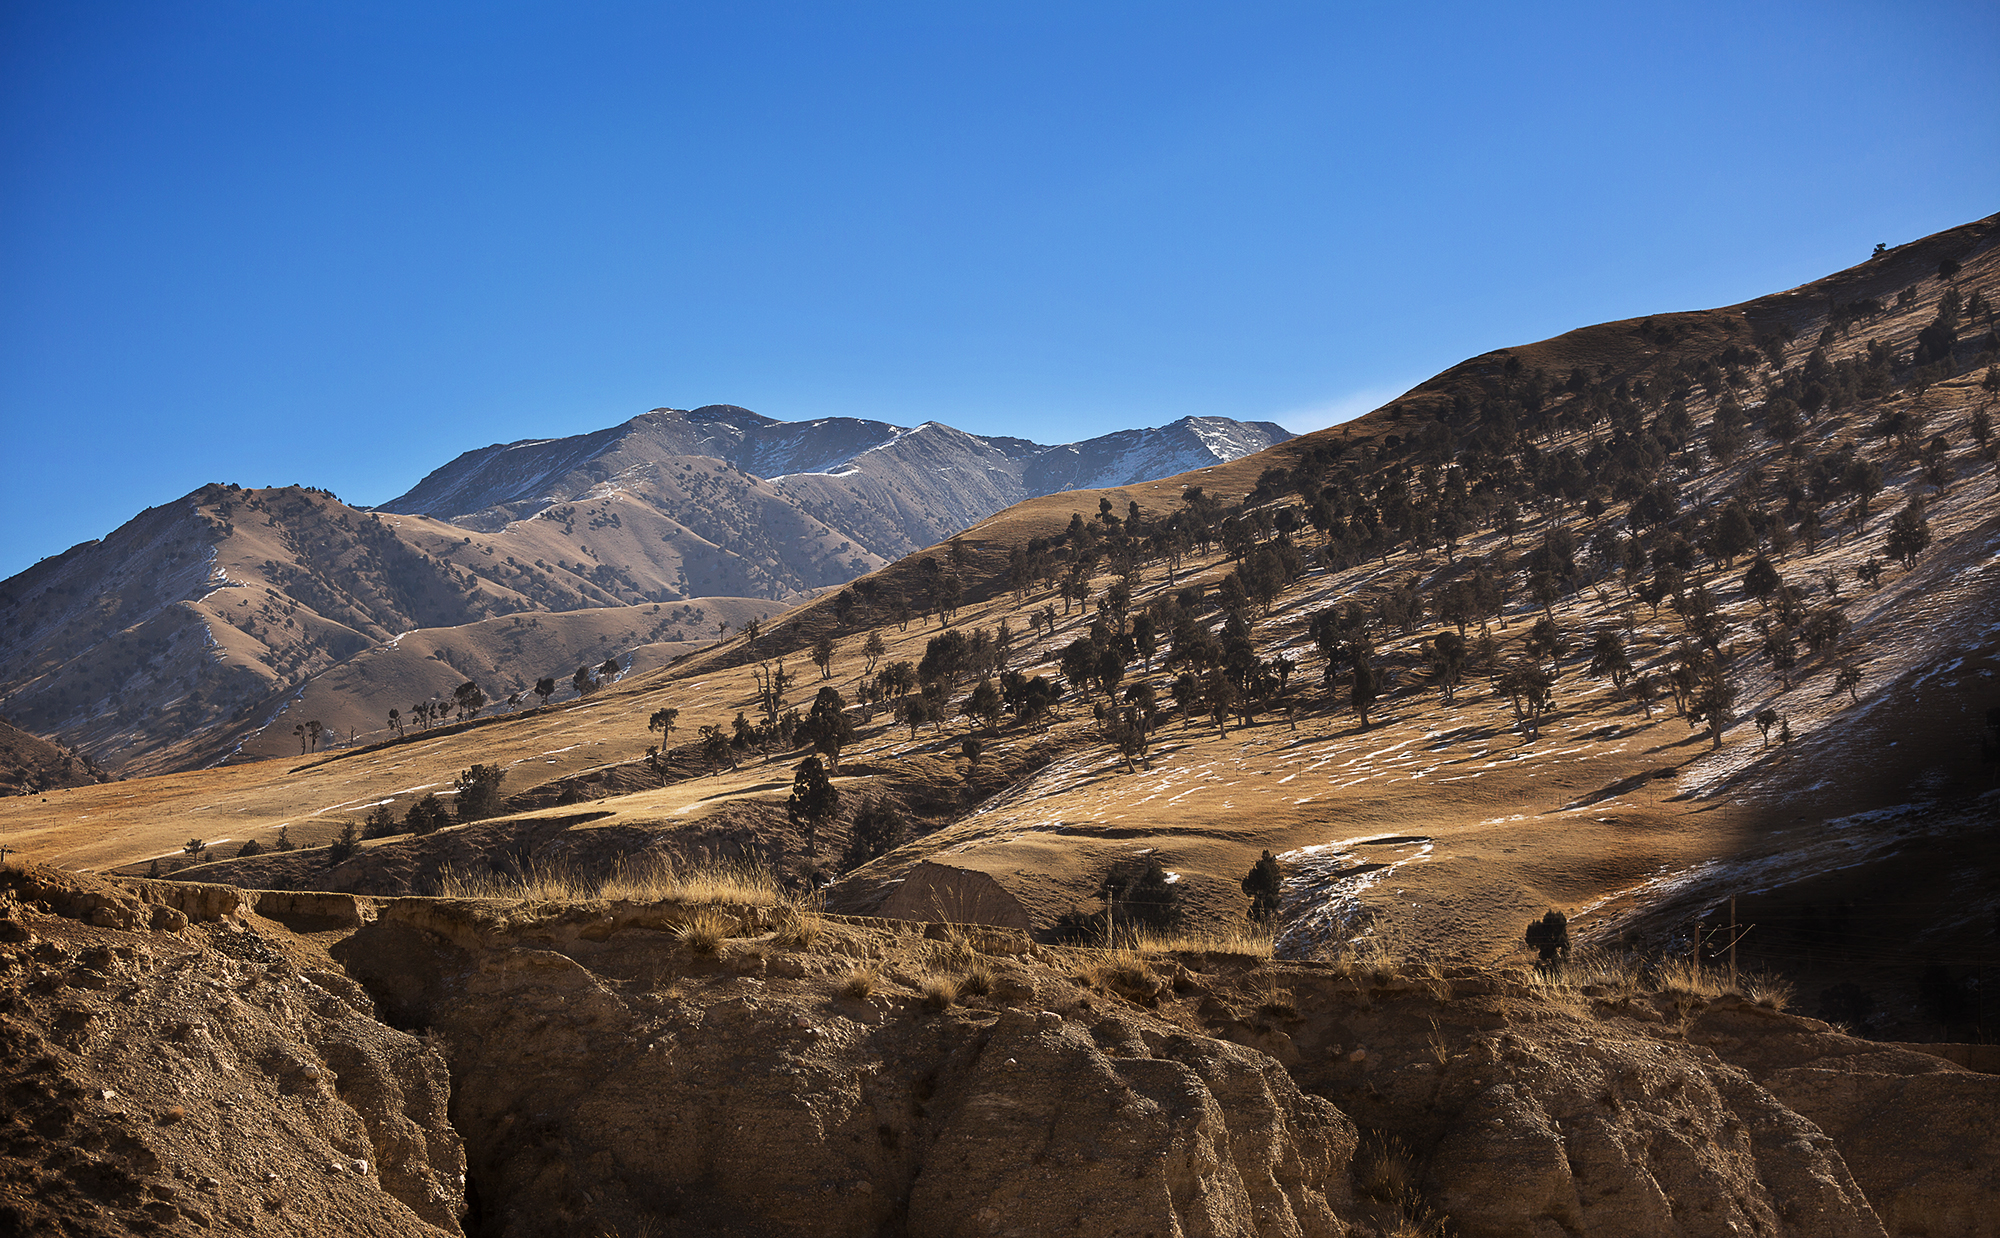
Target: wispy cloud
column 1338, row 409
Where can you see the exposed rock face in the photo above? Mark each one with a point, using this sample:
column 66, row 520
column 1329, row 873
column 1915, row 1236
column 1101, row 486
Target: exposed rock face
column 1918, row 1131
column 1552, row 1125
column 1128, row 1129
column 748, row 1095
column 187, row 1076
column 1559, row 1149
column 182, row 1057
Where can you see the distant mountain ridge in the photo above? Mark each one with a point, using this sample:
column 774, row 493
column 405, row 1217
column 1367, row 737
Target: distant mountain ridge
column 928, row 481
column 196, row 625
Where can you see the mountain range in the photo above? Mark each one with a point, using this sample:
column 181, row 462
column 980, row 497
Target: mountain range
column 744, row 504
column 183, row 634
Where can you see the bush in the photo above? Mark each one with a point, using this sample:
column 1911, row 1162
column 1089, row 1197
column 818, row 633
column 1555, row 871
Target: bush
column 1136, row 894
column 878, row 828
column 346, row 846
column 380, row 823
column 1141, row 893
column 479, row 792
column 1264, row 886
column 1550, row 937
column 426, row 815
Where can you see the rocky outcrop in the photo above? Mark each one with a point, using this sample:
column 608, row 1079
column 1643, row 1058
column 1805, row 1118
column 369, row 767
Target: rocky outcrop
column 765, row 1090
column 173, row 1076
column 192, row 1057
column 1917, row 1129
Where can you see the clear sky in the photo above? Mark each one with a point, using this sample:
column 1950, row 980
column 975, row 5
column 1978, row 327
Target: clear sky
column 339, row 243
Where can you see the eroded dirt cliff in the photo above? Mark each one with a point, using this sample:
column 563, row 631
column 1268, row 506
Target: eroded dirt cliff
column 184, row 1057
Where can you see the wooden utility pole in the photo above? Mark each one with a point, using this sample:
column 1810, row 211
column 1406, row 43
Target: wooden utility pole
column 1732, row 941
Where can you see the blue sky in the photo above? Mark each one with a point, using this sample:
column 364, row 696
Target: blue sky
column 337, row 244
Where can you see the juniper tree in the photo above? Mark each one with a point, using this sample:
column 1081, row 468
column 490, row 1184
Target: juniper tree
column 912, row 711
column 1530, row 690
column 984, row 704
column 1265, row 886
column 344, row 847
column 1550, row 938
column 1909, row 533
column 1713, row 700
column 1545, row 641
column 1367, row 686
column 1761, row 581
column 426, row 815
column 1446, row 655
column 1731, row 535
column 827, row 727
column 379, row 823
column 1847, row 679
column 715, row 746
column 1608, row 657
column 479, row 792
column 1783, row 652
column 877, row 829
column 1126, row 731
column 813, row 803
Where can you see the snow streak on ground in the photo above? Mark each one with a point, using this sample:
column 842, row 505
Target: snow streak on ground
column 1324, row 883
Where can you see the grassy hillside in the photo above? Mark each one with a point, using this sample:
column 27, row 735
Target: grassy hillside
column 1583, row 513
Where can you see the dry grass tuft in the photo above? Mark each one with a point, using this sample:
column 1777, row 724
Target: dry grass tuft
column 1385, row 1173
column 705, row 930
column 954, row 953
column 1121, row 971
column 1772, row 992
column 647, row 879
column 1374, row 957
column 1417, row 1221
column 1382, row 1168
column 1275, row 1001
column 1251, row 941
column 1430, row 974
column 1684, row 981
column 940, row 992
column 1684, row 977
column 859, row 983
column 799, row 926
column 976, row 979
column 1440, row 1047
column 1557, row 989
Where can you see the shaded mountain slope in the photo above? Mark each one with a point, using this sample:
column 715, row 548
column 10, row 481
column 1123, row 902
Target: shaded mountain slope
column 29, row 763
